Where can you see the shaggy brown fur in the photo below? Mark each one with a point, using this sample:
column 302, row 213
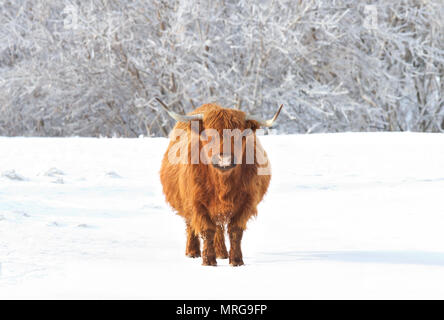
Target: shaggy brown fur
column 208, row 198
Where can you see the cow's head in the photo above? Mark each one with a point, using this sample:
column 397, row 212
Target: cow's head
column 225, row 135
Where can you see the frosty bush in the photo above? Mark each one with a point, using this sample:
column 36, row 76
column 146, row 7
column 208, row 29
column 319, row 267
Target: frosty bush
column 93, row 68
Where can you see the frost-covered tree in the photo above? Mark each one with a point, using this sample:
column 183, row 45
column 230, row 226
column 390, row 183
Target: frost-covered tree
column 93, row 68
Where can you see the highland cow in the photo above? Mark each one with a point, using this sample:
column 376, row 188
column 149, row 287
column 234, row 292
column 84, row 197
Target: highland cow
column 219, row 185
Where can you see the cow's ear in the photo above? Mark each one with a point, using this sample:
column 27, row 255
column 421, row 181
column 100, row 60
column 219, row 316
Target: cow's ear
column 253, row 125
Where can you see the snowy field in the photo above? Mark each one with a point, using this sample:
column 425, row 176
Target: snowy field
column 355, row 215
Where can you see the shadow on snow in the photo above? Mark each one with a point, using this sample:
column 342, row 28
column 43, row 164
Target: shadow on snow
column 389, row 257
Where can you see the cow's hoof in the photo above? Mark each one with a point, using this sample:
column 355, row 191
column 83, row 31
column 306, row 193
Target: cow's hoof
column 193, row 254
column 236, row 262
column 209, row 261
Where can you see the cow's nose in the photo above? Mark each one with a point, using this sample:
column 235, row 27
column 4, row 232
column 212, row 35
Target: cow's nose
column 223, row 161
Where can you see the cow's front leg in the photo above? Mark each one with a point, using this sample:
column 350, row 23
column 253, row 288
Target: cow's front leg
column 219, row 243
column 236, row 229
column 193, row 244
column 203, row 224
column 208, row 252
column 235, row 233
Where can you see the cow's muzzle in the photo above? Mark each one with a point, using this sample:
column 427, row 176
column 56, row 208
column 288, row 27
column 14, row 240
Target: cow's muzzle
column 223, row 162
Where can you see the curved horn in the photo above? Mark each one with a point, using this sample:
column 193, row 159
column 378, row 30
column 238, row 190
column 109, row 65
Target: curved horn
column 265, row 123
column 179, row 117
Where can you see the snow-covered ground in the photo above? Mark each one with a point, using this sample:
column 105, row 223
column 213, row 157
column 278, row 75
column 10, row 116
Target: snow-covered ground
column 355, row 215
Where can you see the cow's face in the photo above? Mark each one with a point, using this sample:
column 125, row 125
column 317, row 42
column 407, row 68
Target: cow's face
column 224, row 137
column 227, row 137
